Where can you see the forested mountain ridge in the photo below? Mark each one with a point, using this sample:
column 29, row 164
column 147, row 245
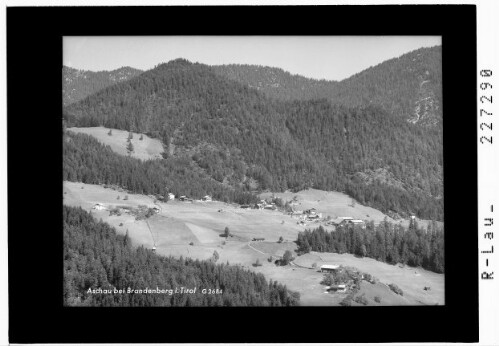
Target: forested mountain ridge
column 88, row 161
column 78, row 84
column 276, row 82
column 244, row 138
column 409, row 86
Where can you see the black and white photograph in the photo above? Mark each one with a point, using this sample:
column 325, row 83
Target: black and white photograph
column 271, row 171
column 249, row 174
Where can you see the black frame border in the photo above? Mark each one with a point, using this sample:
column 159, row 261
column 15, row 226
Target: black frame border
column 34, row 113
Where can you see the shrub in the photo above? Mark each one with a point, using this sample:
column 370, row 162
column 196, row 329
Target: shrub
column 118, row 197
column 191, row 243
column 115, row 211
column 347, row 301
column 361, row 299
column 125, row 198
column 287, row 257
column 314, row 265
column 370, row 278
column 121, row 224
column 258, row 263
column 396, row 289
column 215, row 256
column 377, row 299
column 328, row 280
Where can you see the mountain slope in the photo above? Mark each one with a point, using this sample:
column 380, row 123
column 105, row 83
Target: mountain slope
column 98, row 260
column 278, row 83
column 241, row 137
column 78, row 84
column 409, row 86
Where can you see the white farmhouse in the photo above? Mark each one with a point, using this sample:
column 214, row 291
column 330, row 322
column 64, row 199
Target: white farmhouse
column 99, row 206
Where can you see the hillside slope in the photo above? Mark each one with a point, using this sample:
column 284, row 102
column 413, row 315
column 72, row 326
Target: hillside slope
column 78, row 84
column 97, row 259
column 241, row 137
column 409, row 86
column 277, row 83
column 144, row 147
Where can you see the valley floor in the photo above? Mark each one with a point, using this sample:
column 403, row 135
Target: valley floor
column 194, row 229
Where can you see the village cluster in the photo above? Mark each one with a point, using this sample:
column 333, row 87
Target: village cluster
column 303, row 217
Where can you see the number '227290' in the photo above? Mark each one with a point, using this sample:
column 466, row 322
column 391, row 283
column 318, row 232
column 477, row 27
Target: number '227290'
column 485, row 99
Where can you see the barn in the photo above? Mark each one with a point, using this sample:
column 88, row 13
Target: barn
column 99, row 206
column 329, row 268
column 339, row 288
column 311, row 211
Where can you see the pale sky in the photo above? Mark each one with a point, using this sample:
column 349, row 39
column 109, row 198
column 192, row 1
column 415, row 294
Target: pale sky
column 319, row 57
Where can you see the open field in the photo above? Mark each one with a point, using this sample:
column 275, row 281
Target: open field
column 146, row 149
column 337, row 204
column 410, row 280
column 274, row 249
column 194, row 230
column 384, row 294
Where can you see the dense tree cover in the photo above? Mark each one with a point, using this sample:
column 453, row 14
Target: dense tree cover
column 399, row 85
column 95, row 257
column 78, row 84
column 88, row 161
column 387, row 242
column 243, row 138
column 277, row 83
column 356, row 140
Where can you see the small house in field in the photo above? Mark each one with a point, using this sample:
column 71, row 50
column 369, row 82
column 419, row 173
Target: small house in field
column 344, row 219
column 99, row 206
column 270, row 207
column 330, row 268
column 182, row 198
column 156, row 209
column 339, row 288
column 171, row 196
column 360, row 223
column 207, row 198
column 245, row 206
column 258, row 239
